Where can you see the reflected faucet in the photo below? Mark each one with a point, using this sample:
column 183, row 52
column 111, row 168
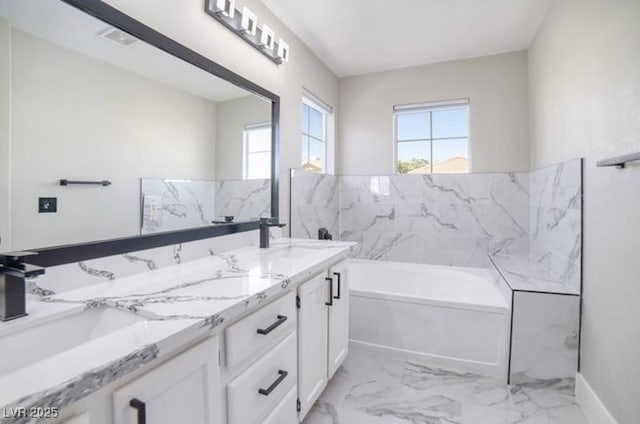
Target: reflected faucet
column 13, row 272
column 265, row 223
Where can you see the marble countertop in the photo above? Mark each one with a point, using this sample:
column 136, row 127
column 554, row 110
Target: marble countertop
column 524, row 273
column 179, row 304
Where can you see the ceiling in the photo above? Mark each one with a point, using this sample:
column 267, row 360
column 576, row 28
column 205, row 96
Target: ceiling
column 66, row 26
column 360, row 36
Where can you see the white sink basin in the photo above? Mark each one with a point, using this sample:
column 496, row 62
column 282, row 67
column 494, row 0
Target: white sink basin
column 39, row 342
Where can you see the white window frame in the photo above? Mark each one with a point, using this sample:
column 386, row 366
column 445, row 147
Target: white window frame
column 328, row 127
column 430, row 107
column 245, row 145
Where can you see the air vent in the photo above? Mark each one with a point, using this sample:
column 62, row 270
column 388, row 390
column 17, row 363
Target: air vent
column 117, row 36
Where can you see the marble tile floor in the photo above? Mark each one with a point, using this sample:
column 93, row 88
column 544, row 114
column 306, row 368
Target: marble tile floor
column 373, row 387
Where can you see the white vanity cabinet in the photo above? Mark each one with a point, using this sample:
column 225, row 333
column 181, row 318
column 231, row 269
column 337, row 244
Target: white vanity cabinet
column 268, row 366
column 183, row 389
column 323, row 323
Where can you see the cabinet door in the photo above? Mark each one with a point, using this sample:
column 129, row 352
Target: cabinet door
column 338, row 318
column 182, row 390
column 312, row 341
column 285, row 411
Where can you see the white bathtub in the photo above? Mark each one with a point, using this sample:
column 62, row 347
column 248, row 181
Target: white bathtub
column 450, row 317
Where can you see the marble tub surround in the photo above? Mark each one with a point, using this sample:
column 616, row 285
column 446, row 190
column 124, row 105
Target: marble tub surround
column 179, row 204
column 545, row 338
column 179, row 303
column 373, row 387
column 245, row 200
column 316, row 204
column 71, row 276
column 556, row 219
column 453, row 219
column 525, row 273
column 442, row 219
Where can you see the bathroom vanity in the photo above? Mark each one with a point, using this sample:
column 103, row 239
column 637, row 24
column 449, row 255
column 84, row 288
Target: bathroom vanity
column 248, row 336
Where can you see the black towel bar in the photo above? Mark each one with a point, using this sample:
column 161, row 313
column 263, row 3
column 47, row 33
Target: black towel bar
column 619, row 161
column 103, row 183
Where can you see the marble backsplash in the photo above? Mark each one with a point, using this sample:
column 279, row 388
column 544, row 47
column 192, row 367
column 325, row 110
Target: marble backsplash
column 58, row 279
column 448, row 219
column 184, row 204
column 245, row 200
column 180, row 204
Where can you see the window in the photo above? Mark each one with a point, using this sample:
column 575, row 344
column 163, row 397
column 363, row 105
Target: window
column 256, row 162
column 316, row 123
column 432, row 137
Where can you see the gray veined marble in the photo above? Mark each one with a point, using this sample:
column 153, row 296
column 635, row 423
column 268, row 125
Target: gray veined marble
column 79, row 387
column 556, row 219
column 179, row 204
column 177, row 303
column 243, row 199
column 375, row 388
column 544, row 339
column 454, row 219
column 316, row 204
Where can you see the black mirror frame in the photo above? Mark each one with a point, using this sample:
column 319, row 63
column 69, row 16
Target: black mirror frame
column 60, row 255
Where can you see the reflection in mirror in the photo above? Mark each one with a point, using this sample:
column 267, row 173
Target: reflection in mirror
column 181, row 147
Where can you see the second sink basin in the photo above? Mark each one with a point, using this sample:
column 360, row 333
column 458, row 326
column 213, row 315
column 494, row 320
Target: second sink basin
column 48, row 339
column 289, row 252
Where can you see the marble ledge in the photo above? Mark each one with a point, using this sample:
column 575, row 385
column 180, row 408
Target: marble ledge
column 524, row 273
column 180, row 304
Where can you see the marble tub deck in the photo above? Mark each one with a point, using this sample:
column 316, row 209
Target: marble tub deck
column 373, row 387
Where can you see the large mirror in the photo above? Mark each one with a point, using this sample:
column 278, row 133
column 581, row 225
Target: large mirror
column 112, row 137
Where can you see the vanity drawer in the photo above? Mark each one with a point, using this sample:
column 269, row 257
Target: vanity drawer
column 285, row 412
column 260, row 329
column 258, row 390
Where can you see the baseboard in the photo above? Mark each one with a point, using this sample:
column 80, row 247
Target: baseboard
column 592, row 406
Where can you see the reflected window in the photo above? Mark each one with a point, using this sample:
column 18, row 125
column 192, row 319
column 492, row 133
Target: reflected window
column 257, row 151
column 432, row 137
column 315, row 118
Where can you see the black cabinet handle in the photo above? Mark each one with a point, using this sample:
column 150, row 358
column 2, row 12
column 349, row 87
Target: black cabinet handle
column 269, row 329
column 330, row 302
column 141, row 407
column 337, row 274
column 267, row 391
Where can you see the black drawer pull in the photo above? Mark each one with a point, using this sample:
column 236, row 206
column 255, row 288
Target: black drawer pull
column 141, row 407
column 269, row 329
column 282, row 376
column 337, row 274
column 330, row 302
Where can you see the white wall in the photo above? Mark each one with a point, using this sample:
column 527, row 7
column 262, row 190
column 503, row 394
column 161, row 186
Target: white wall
column 232, row 116
column 186, row 22
column 5, row 135
column 496, row 86
column 585, row 101
column 78, row 118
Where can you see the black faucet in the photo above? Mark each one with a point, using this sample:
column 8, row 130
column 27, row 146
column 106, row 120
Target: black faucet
column 323, row 234
column 265, row 223
column 13, row 272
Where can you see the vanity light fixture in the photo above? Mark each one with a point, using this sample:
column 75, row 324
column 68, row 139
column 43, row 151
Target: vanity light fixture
column 226, row 7
column 249, row 22
column 283, row 50
column 245, row 25
column 268, row 38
